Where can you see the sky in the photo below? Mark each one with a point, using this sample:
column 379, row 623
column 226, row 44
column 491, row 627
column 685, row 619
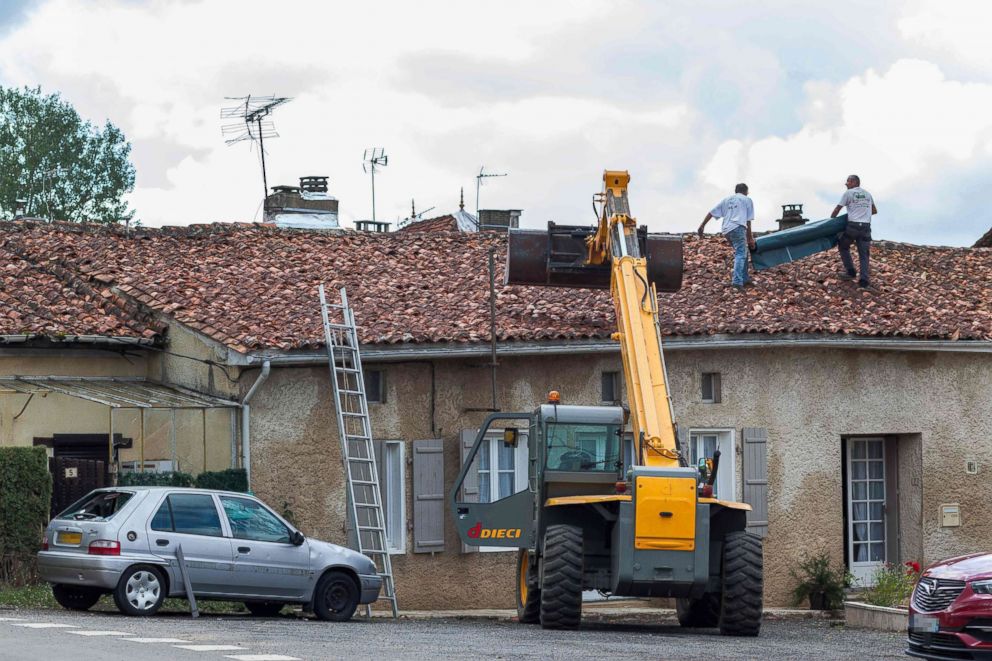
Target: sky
column 690, row 96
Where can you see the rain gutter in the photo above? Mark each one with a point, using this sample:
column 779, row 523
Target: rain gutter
column 383, row 353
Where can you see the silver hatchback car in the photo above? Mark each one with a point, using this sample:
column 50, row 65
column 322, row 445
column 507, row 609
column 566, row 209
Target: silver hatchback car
column 124, row 541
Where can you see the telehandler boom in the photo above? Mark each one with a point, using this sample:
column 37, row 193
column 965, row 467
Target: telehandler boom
column 605, row 507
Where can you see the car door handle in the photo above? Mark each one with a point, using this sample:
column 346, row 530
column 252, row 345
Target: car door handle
column 162, row 542
column 244, row 549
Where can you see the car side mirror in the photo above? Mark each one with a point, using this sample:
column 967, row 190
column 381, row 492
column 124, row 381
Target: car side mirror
column 297, row 538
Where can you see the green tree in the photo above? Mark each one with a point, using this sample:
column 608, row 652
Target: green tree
column 64, row 168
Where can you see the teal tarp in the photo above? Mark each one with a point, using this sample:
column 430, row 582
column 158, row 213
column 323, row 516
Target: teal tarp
column 792, row 244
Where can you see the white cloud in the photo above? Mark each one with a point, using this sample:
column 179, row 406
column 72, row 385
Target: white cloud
column 891, row 129
column 691, row 96
column 959, row 28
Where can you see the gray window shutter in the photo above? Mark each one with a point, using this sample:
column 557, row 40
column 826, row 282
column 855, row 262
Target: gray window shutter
column 684, row 448
column 756, row 479
column 470, row 485
column 428, row 496
column 717, row 388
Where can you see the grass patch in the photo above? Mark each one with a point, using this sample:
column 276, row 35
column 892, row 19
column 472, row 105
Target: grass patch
column 39, row 596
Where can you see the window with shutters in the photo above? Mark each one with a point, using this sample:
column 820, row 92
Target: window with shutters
column 703, row 443
column 392, row 478
column 711, row 388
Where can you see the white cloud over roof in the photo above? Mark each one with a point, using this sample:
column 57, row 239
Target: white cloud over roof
column 691, row 97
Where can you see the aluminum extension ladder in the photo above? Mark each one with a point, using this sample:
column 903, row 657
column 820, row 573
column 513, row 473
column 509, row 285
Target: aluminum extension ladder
column 357, row 451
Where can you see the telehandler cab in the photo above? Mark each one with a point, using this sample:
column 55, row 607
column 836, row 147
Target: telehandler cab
column 611, row 503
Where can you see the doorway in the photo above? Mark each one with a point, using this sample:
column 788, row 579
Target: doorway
column 866, row 498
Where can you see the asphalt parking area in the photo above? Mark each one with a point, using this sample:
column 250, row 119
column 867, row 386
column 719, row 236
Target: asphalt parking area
column 103, row 635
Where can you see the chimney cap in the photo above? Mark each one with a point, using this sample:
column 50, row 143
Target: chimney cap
column 285, row 189
column 314, row 184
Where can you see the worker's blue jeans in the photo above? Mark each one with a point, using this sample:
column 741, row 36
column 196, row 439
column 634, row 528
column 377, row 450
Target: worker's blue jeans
column 738, row 239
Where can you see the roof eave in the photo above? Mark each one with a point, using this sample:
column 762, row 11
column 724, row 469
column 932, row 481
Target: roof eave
column 382, row 353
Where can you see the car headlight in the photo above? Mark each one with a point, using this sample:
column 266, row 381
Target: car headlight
column 982, row 587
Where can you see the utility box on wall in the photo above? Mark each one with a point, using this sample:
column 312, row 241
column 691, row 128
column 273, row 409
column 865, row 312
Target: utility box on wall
column 950, row 515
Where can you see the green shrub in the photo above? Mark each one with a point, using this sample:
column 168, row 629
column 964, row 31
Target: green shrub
column 173, row 479
column 822, row 585
column 893, row 586
column 25, row 498
column 232, row 479
column 25, row 501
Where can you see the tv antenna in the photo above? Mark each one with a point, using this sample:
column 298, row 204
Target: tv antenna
column 478, row 183
column 374, row 157
column 414, row 214
column 252, row 111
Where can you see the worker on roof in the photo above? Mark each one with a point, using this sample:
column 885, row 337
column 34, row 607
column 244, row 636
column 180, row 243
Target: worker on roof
column 860, row 208
column 737, row 212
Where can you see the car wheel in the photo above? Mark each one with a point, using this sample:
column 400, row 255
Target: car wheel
column 140, row 591
column 336, row 597
column 76, row 597
column 264, row 608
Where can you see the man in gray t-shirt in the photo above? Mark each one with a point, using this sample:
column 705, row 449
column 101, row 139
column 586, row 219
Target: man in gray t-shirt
column 737, row 212
column 860, row 208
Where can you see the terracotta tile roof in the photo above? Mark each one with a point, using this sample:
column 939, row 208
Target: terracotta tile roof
column 253, row 287
column 45, row 301
column 445, row 223
column 985, row 241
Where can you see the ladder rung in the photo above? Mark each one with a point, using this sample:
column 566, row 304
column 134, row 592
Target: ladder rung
column 375, row 505
column 353, row 415
column 364, row 460
column 372, row 528
column 342, row 391
column 365, row 482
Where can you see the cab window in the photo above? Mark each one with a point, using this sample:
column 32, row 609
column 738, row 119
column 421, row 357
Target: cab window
column 582, row 447
column 249, row 520
column 187, row 513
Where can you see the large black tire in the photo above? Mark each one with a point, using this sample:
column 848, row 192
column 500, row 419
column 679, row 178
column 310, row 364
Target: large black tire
column 740, row 608
column 528, row 592
column 336, row 597
column 76, row 597
column 141, row 590
column 561, row 582
column 701, row 612
column 264, row 608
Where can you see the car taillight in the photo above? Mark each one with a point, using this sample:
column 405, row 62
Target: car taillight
column 621, row 487
column 44, row 543
column 706, row 490
column 105, row 547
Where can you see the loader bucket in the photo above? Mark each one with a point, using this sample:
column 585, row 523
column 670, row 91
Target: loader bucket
column 556, row 258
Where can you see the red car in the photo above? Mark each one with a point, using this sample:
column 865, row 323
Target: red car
column 950, row 613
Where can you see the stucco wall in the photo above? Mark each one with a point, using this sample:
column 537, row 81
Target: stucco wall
column 806, row 399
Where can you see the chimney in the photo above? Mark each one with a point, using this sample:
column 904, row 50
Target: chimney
column 498, row 219
column 792, row 216
column 307, row 206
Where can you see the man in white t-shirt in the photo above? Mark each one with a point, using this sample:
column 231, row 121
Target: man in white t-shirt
column 860, row 208
column 737, row 212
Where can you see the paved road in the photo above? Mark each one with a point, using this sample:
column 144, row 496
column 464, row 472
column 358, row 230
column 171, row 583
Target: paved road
column 63, row 634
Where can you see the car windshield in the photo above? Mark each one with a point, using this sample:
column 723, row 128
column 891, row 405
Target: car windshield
column 582, row 447
column 97, row 505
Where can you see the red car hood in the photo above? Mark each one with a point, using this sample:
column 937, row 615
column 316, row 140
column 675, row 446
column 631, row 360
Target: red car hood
column 972, row 567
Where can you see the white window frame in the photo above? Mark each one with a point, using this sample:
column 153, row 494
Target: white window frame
column 715, row 383
column 726, row 476
column 394, row 477
column 520, row 459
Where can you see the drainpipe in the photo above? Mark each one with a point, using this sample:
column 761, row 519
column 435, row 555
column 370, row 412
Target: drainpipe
column 246, row 420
